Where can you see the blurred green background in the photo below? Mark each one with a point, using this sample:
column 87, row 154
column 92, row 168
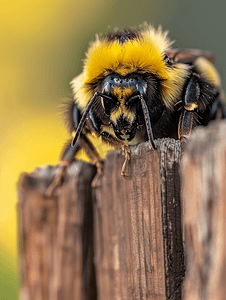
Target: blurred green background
column 42, row 47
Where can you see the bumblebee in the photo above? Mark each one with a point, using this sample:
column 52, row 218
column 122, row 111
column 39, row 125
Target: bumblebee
column 135, row 87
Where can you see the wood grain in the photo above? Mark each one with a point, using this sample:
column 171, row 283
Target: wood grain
column 204, row 199
column 56, row 235
column 139, row 248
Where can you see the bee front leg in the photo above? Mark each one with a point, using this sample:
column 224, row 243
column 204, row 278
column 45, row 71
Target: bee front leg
column 127, row 159
column 66, row 159
column 119, row 144
column 94, row 156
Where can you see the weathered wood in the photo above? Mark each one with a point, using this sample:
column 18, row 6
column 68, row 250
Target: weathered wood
column 56, row 233
column 137, row 233
column 204, row 200
column 138, row 239
column 170, row 156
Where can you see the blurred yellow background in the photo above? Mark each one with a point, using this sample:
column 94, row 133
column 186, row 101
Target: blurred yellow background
column 42, row 45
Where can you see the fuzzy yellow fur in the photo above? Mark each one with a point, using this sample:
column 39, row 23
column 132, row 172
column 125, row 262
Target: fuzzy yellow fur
column 144, row 54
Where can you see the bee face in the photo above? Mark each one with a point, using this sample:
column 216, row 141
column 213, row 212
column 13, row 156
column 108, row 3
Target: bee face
column 123, row 103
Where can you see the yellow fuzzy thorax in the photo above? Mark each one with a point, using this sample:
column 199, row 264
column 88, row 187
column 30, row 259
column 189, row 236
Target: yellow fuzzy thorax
column 143, row 54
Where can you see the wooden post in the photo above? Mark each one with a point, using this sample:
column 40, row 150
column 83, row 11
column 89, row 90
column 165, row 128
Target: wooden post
column 204, row 200
column 56, row 235
column 138, row 249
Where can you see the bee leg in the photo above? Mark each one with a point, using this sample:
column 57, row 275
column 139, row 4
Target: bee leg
column 127, row 159
column 85, row 143
column 92, row 153
column 66, row 159
column 119, row 144
column 186, row 124
column 96, row 180
column 188, row 117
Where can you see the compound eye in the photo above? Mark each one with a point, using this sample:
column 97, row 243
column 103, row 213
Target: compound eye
column 166, row 59
column 108, row 103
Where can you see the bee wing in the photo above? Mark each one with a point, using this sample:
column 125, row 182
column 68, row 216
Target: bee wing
column 188, row 56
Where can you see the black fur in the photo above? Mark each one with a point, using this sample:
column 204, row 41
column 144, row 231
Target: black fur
column 123, row 36
column 69, row 110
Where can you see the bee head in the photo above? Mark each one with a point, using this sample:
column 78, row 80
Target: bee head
column 122, row 102
column 124, row 68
